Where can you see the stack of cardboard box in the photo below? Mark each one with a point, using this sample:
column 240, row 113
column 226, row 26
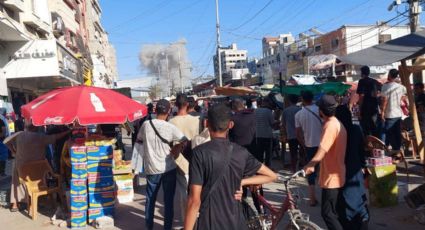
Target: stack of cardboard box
column 101, row 186
column 78, row 192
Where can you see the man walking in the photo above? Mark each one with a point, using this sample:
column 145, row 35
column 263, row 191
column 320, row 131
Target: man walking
column 288, row 120
column 264, row 132
column 368, row 90
column 331, row 156
column 392, row 95
column 189, row 126
column 308, row 130
column 218, row 168
column 159, row 164
column 243, row 131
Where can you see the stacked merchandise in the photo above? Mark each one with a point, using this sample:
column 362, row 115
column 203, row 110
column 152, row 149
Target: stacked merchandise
column 101, row 186
column 92, row 184
column 379, row 159
column 78, row 190
column 383, row 189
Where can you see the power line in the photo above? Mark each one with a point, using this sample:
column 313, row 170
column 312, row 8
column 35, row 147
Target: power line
column 254, row 16
column 144, row 13
column 179, row 11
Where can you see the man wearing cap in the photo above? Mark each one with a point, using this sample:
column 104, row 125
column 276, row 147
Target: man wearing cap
column 330, row 155
column 159, row 164
column 392, row 95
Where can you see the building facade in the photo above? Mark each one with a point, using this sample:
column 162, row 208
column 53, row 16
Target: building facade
column 44, row 44
column 234, row 64
column 102, row 52
column 272, row 66
column 319, row 56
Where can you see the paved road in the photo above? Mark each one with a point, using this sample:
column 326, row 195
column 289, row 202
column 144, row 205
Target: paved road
column 131, row 216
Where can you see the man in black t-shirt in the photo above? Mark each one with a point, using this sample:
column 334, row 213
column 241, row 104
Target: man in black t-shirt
column 217, row 170
column 369, row 90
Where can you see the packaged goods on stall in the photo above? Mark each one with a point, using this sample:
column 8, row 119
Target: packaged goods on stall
column 79, row 202
column 79, row 170
column 380, row 161
column 101, row 199
column 101, row 184
column 78, row 187
column 378, row 153
column 99, row 168
column 78, row 219
column 95, row 213
column 99, row 153
column 383, row 188
column 78, row 154
column 124, row 183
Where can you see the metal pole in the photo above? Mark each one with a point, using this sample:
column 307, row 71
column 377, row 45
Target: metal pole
column 180, row 72
column 220, row 80
column 168, row 75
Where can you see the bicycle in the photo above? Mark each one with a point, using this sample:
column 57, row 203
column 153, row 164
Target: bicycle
column 270, row 220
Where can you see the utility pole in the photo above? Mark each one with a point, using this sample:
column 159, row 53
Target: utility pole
column 414, row 12
column 217, row 19
column 168, row 75
column 180, row 72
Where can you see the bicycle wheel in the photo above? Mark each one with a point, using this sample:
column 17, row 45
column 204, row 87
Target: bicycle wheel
column 303, row 225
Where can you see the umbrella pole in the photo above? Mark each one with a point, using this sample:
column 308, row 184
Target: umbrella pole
column 404, row 75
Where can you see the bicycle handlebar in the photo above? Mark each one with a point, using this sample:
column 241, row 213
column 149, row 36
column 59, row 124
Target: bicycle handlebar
column 286, row 179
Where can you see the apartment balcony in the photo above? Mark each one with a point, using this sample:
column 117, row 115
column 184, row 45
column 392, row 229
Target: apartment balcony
column 16, row 5
column 35, row 22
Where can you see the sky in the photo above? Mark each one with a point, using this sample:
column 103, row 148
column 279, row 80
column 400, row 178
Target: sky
column 134, row 23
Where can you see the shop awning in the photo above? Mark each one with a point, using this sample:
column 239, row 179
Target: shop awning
column 402, row 48
column 328, row 87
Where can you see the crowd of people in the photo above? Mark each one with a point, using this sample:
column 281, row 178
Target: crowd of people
column 205, row 158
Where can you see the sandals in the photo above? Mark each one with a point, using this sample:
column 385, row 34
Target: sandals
column 14, row 209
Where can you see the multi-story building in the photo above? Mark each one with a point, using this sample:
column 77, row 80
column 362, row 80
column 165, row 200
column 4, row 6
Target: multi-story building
column 320, row 54
column 43, row 46
column 102, row 52
column 274, row 61
column 234, row 63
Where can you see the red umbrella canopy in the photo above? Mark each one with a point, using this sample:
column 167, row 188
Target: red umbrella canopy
column 85, row 104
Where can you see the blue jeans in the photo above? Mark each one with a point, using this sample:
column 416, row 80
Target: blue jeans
column 310, row 152
column 168, row 181
column 392, row 132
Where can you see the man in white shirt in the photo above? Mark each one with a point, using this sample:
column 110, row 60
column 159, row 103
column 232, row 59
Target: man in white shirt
column 159, row 164
column 308, row 126
column 392, row 95
column 189, row 125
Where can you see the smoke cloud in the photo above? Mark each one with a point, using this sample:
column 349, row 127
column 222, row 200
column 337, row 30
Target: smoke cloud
column 164, row 61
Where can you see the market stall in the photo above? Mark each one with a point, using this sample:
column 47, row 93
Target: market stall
column 94, row 173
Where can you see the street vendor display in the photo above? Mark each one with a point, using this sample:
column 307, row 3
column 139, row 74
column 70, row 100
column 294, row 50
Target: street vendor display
column 92, row 190
column 88, row 160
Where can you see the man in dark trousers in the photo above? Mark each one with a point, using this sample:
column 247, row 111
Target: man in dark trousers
column 218, row 168
column 369, row 90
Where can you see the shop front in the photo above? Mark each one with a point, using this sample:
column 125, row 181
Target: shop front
column 37, row 67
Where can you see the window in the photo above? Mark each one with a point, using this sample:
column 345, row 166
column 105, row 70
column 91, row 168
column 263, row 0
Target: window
column 70, row 3
column 71, row 40
column 384, row 38
column 317, row 48
column 335, row 43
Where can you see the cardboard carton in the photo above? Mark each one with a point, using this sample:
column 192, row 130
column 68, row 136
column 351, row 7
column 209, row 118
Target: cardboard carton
column 101, row 184
column 101, row 199
column 79, row 170
column 383, row 188
column 78, row 187
column 78, row 219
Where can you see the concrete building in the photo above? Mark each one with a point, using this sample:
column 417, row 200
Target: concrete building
column 43, row 46
column 102, row 52
column 319, row 57
column 234, row 64
column 273, row 64
column 140, row 87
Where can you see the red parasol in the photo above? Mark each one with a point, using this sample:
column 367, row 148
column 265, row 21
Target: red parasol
column 84, row 104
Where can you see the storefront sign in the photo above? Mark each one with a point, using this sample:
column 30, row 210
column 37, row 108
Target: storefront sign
column 35, row 54
column 69, row 65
